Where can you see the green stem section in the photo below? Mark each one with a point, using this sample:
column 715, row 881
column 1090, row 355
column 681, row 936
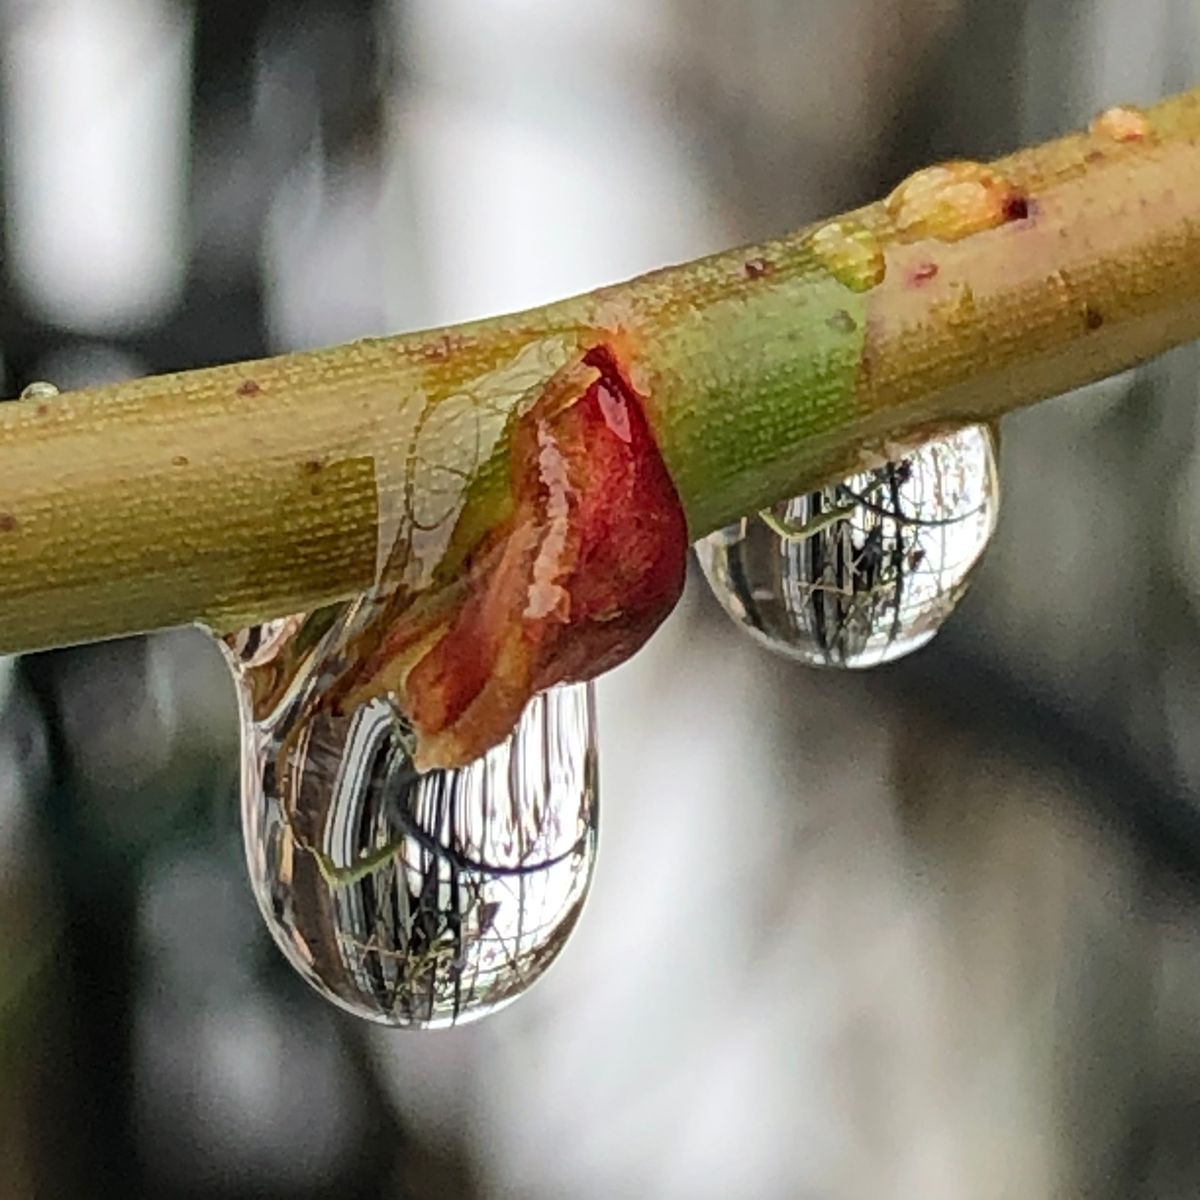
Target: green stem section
column 239, row 493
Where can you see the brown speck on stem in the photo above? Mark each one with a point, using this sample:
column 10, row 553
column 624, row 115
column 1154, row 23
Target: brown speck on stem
column 43, row 410
column 756, row 268
column 1092, row 317
column 180, row 460
column 842, row 322
column 311, row 467
column 1016, row 207
column 249, row 388
column 8, row 523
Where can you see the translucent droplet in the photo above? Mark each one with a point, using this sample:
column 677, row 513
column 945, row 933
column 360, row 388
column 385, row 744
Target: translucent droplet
column 39, row 391
column 954, row 200
column 865, row 571
column 417, row 900
column 851, row 253
column 1123, row 123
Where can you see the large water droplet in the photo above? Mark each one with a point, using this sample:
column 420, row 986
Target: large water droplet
column 418, row 900
column 867, row 570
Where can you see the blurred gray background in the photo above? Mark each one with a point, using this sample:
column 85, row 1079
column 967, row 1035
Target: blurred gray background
column 927, row 933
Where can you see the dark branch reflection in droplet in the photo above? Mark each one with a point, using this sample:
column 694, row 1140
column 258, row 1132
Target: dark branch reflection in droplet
column 418, row 900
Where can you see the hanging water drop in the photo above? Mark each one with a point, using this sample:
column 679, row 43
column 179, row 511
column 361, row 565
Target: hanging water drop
column 866, row 571
column 412, row 899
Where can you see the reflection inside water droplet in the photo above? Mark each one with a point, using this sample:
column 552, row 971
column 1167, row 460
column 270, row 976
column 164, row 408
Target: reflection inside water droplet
column 865, row 571
column 418, row 900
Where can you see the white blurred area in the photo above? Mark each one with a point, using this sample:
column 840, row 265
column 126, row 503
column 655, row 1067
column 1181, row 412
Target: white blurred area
column 521, row 197
column 838, row 947
column 96, row 100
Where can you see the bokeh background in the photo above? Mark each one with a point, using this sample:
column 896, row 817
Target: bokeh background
column 931, row 932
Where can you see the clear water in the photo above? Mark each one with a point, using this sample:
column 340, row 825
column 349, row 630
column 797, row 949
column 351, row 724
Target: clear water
column 868, row 570
column 410, row 899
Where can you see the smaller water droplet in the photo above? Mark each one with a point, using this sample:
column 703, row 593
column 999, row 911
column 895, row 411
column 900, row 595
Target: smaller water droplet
column 851, row 253
column 952, row 201
column 39, row 390
column 1122, row 123
column 411, row 899
column 868, row 570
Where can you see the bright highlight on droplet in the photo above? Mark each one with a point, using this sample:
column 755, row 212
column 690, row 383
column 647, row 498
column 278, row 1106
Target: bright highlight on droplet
column 868, row 570
column 39, row 391
column 409, row 899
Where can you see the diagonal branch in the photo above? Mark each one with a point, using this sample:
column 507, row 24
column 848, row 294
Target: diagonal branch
column 243, row 492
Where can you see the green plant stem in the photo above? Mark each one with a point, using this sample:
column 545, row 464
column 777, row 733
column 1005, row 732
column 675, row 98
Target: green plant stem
column 239, row 493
